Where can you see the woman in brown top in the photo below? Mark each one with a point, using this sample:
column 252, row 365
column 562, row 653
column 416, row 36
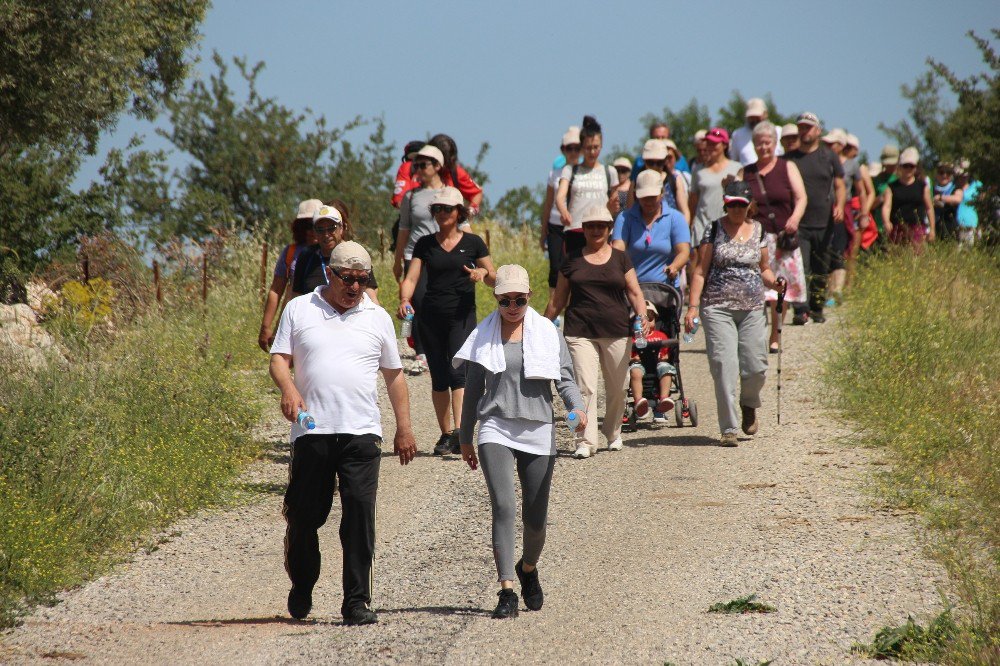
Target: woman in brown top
column 602, row 283
column 780, row 197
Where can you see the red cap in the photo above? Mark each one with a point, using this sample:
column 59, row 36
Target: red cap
column 717, row 135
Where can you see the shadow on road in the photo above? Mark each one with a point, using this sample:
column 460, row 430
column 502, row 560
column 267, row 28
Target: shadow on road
column 240, row 621
column 657, row 439
column 436, row 610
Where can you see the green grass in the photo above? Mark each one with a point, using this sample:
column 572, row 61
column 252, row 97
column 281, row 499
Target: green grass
column 742, row 605
column 910, row 641
column 146, row 423
column 916, row 369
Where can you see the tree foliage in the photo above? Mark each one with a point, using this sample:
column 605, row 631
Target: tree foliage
column 520, row 206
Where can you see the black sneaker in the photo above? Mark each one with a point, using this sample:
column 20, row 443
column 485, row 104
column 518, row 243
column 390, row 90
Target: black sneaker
column 360, row 615
column 456, row 444
column 800, row 318
column 507, row 606
column 443, row 445
column 817, row 317
column 299, row 603
column 530, row 588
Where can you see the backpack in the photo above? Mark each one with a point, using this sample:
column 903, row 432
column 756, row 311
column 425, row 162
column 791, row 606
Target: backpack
column 289, row 258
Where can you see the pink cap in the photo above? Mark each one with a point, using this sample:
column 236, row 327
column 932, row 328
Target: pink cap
column 717, row 135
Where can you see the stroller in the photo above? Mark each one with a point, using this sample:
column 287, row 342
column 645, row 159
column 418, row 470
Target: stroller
column 668, row 302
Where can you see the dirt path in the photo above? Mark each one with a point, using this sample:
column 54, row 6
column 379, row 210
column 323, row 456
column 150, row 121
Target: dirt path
column 641, row 542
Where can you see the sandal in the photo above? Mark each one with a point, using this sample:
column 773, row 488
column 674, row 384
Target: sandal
column 774, row 348
column 641, row 407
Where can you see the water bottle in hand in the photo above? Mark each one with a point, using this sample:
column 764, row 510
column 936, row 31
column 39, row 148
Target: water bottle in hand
column 406, row 328
column 689, row 337
column 637, row 336
column 572, row 420
column 306, row 420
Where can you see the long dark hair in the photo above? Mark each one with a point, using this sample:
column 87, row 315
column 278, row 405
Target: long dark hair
column 448, row 148
column 589, row 128
column 300, row 229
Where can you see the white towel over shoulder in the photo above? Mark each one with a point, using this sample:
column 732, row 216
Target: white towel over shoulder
column 541, row 346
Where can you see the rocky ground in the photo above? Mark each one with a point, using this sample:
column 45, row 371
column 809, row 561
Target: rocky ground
column 641, row 543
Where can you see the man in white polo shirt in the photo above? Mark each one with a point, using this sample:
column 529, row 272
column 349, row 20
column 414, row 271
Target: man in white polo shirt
column 339, row 340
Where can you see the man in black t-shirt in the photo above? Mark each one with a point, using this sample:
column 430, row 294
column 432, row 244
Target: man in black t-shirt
column 309, row 270
column 823, row 177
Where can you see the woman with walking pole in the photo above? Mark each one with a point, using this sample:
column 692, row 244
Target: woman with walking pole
column 728, row 286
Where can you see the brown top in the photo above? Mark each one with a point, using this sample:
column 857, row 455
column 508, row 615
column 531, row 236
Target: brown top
column 598, row 306
column 776, row 206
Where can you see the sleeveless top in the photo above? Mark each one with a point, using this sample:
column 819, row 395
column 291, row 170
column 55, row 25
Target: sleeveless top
column 774, row 208
column 734, row 280
column 907, row 202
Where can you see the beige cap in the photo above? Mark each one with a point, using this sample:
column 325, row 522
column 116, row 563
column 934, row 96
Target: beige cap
column 622, row 162
column 512, row 279
column 836, row 135
column 909, row 156
column 671, row 146
column 852, row 140
column 571, row 136
column 756, row 107
column 307, row 209
column 791, row 129
column 654, row 149
column 597, row 213
column 874, row 168
column 649, row 184
column 808, row 118
column 350, row 255
column 652, row 308
column 700, row 134
column 327, row 213
column 890, row 154
column 432, row 152
column 448, row 196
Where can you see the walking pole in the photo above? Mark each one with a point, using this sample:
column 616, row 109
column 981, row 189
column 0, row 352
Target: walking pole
column 780, row 313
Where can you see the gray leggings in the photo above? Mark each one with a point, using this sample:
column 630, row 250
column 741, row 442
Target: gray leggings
column 535, row 473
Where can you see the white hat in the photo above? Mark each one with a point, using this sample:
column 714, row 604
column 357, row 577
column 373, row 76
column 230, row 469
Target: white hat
column 852, row 140
column 654, row 149
column 622, row 162
column 449, row 196
column 791, row 129
column 327, row 213
column 432, row 152
column 890, row 154
column 571, row 136
column 909, row 156
column 648, row 184
column 307, row 209
column 836, row 135
column 597, row 213
column 671, row 146
column 350, row 255
column 512, row 279
column 652, row 308
column 756, row 107
column 700, row 134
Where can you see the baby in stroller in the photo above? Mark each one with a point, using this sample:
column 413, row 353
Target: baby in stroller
column 652, row 360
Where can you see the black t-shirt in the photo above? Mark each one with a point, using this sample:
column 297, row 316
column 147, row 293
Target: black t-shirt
column 310, row 271
column 908, row 202
column 598, row 304
column 449, row 289
column 819, row 169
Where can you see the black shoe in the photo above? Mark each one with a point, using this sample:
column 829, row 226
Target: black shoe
column 530, row 588
column 443, row 445
column 456, row 444
column 507, row 606
column 299, row 603
column 817, row 317
column 360, row 615
column 749, row 424
column 800, row 318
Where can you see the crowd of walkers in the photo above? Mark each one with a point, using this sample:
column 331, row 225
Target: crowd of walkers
column 755, row 218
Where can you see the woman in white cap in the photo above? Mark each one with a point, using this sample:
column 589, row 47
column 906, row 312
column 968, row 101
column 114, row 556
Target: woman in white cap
column 728, row 287
column 453, row 261
column 790, row 137
column 599, row 283
column 513, row 357
column 660, row 155
column 907, row 202
column 623, row 166
column 552, row 240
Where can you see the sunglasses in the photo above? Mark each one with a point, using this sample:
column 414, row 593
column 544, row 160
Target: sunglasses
column 591, row 226
column 362, row 280
column 505, row 302
column 907, row 166
column 655, row 163
column 737, row 204
column 572, row 148
column 623, row 170
column 423, row 164
column 322, row 231
column 442, row 208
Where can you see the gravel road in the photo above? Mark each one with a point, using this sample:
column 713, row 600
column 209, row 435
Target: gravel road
column 641, row 543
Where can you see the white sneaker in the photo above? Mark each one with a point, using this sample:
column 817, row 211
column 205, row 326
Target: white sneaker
column 659, row 418
column 582, row 451
column 616, row 445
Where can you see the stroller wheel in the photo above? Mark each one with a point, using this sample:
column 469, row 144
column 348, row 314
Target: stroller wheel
column 679, row 413
column 694, row 413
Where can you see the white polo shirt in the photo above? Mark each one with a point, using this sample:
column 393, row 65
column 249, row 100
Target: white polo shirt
column 337, row 358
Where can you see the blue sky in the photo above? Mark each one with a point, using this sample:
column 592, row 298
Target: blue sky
column 518, row 73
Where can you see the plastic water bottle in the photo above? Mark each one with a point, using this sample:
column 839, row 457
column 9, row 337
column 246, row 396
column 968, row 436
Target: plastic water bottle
column 572, row 420
column 689, row 337
column 306, row 420
column 637, row 336
column 406, row 328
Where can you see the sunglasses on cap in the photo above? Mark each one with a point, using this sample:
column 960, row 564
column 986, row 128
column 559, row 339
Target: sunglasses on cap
column 362, row 280
column 328, row 229
column 505, row 302
column 442, row 208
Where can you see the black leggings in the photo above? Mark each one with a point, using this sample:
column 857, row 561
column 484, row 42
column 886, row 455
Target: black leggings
column 418, row 301
column 554, row 243
column 443, row 334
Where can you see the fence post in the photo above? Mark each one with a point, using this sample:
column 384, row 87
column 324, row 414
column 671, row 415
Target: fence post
column 487, row 239
column 86, row 270
column 204, row 278
column 156, row 281
column 381, row 244
column 263, row 269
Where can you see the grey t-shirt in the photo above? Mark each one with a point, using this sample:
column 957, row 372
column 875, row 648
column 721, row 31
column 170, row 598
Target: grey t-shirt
column 588, row 187
column 510, row 395
column 852, row 174
column 415, row 215
column 708, row 185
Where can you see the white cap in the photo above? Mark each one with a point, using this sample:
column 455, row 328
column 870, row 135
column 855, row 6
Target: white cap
column 327, row 213
column 622, row 162
column 350, row 255
column 432, row 152
column 654, row 149
column 700, row 134
column 852, row 140
column 448, row 196
column 571, row 136
column 649, row 183
column 791, row 129
column 597, row 213
column 836, row 135
column 512, row 279
column 756, row 107
column 307, row 209
column 909, row 156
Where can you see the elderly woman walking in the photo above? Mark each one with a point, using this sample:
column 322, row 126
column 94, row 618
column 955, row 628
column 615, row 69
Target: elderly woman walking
column 513, row 358
column 602, row 283
column 728, row 285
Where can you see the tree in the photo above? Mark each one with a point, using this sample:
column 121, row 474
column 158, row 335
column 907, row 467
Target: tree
column 929, row 128
column 733, row 114
column 683, row 124
column 69, row 67
column 520, row 206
